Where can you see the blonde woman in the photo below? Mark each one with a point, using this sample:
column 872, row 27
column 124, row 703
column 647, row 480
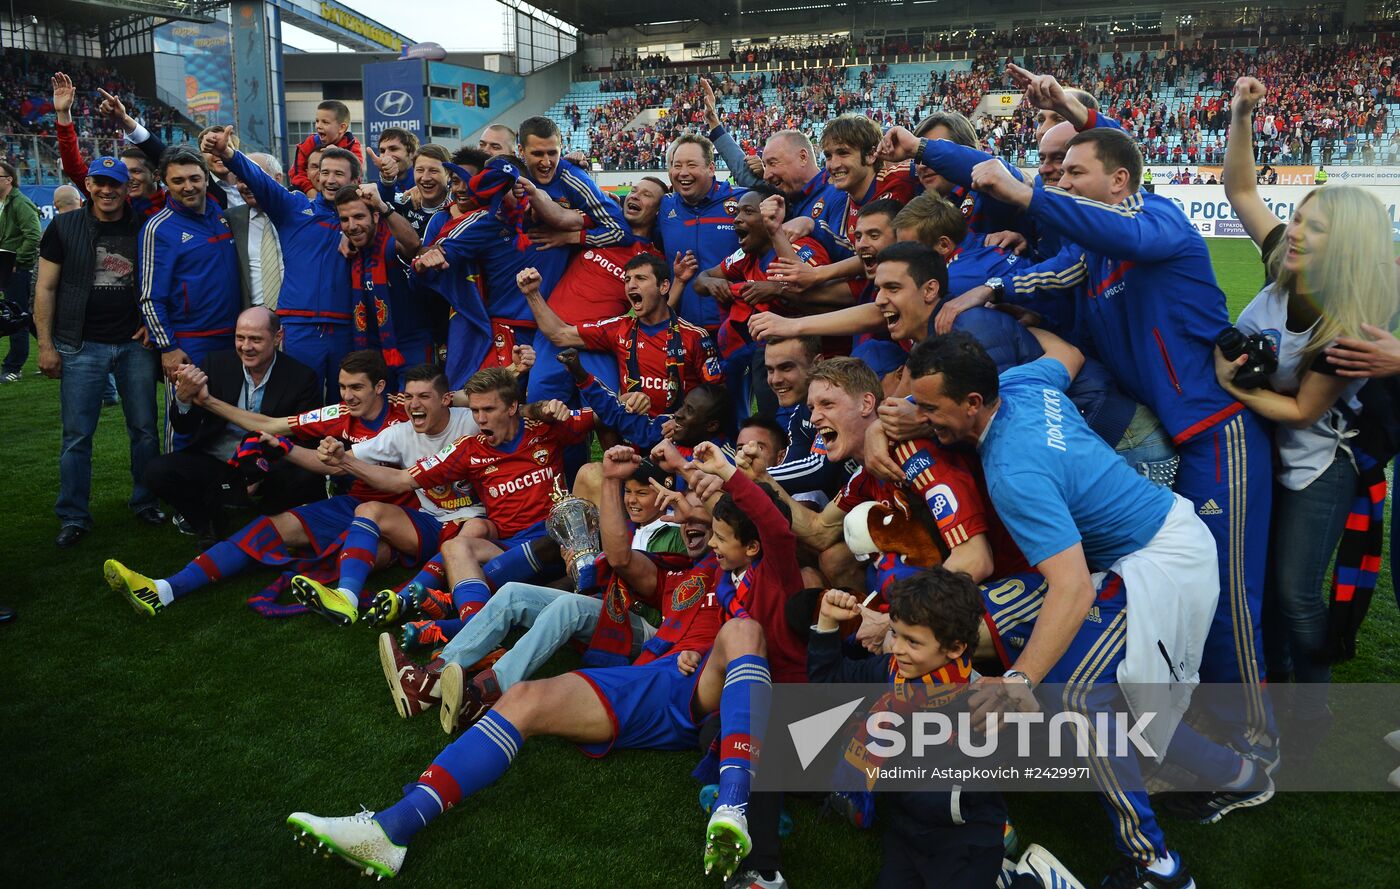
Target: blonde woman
column 1331, row 272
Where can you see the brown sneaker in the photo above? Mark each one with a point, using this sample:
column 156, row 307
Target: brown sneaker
column 413, row 688
column 463, row 703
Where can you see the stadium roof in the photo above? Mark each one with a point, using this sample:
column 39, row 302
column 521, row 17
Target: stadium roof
column 93, row 13
column 597, row 16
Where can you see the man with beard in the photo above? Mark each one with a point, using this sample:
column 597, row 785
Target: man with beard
column 653, row 350
column 592, row 289
column 387, row 314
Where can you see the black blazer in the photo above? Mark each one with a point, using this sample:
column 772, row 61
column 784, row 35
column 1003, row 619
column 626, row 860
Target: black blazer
column 238, row 224
column 292, row 388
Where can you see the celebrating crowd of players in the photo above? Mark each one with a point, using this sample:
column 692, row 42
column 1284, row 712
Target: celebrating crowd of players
column 1022, row 373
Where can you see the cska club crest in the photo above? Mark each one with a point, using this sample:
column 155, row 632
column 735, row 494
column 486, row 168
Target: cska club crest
column 731, row 206
column 361, row 321
column 687, row 593
column 817, row 209
column 541, row 456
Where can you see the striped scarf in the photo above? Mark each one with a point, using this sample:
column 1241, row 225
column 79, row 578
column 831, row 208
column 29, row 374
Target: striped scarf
column 369, row 276
column 931, row 691
column 1358, row 560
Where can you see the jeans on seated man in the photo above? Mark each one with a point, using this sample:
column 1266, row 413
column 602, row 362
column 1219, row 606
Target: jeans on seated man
column 199, row 480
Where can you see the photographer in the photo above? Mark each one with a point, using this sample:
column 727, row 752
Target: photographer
column 1330, row 271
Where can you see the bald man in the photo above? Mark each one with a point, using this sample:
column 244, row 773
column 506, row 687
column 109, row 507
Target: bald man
column 197, row 480
column 66, row 198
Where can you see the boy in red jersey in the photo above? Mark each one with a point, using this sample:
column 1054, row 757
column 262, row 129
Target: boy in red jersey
column 655, row 350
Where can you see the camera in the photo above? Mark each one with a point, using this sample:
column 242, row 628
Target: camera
column 1262, row 362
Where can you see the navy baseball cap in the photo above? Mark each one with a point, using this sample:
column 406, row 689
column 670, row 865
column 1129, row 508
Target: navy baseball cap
column 110, row 167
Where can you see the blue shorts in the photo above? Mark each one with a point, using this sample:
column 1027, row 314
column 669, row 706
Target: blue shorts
column 522, row 537
column 648, row 706
column 1014, row 602
column 325, row 520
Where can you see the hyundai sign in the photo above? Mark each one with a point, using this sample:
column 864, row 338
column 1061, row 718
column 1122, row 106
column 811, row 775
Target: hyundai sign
column 394, row 97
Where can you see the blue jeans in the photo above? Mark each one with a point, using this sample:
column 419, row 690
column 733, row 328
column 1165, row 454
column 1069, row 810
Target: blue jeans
column 80, row 404
column 1146, row 442
column 17, row 290
column 552, row 617
column 1307, row 527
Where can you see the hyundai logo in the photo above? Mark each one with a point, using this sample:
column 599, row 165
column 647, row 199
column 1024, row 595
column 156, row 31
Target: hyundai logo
column 393, row 103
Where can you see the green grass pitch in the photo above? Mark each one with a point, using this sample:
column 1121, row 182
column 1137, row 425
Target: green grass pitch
column 168, row 752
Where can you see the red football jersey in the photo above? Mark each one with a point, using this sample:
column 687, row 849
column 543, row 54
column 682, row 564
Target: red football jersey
column 336, row 421
column 513, row 481
column 592, row 286
column 955, row 496
column 897, row 182
column 690, row 614
column 699, row 362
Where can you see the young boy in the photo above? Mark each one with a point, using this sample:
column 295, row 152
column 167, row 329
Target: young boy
column 332, row 128
column 935, row 617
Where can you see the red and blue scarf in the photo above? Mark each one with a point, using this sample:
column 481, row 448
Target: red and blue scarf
column 369, row 276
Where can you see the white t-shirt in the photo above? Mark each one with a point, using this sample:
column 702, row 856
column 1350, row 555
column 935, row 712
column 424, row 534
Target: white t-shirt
column 1304, row 454
column 400, row 446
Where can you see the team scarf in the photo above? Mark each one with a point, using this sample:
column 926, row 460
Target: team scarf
column 1358, row 562
column 931, row 691
column 369, row 275
column 253, row 459
column 733, row 596
column 675, row 360
column 611, row 643
column 489, row 189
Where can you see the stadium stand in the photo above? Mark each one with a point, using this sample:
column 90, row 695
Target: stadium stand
column 1333, row 104
column 27, row 135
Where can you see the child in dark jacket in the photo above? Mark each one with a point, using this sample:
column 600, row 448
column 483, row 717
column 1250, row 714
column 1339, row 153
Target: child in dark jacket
column 946, row 839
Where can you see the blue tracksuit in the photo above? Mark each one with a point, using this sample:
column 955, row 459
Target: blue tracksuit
column 641, row 430
column 484, row 244
column 1146, row 296
column 314, row 304
column 974, row 263
column 706, row 228
column 826, row 205
column 189, row 278
column 954, row 162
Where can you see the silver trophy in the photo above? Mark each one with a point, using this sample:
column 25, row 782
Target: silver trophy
column 573, row 524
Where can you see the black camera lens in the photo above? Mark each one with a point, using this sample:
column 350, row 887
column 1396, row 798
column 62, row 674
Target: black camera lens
column 1232, row 343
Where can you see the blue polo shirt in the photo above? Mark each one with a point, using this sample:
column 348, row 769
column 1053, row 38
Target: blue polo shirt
column 1055, row 483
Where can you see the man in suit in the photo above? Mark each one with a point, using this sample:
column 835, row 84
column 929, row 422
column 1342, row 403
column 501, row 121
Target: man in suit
column 259, row 253
column 199, row 480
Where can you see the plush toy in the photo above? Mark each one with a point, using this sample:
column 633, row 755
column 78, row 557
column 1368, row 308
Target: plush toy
column 873, row 529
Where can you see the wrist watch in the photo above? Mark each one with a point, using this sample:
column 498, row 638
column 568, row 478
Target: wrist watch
column 998, row 288
column 1017, row 674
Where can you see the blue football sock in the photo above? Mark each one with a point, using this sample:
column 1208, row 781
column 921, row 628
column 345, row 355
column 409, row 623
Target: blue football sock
column 221, row 560
column 469, row 595
column 473, row 761
column 743, row 717
column 518, row 563
column 431, row 576
column 409, row 815
column 357, row 554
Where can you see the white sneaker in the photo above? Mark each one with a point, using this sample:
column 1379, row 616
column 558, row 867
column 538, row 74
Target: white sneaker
column 727, row 840
column 1039, row 863
column 752, row 879
column 356, row 838
column 1393, row 739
